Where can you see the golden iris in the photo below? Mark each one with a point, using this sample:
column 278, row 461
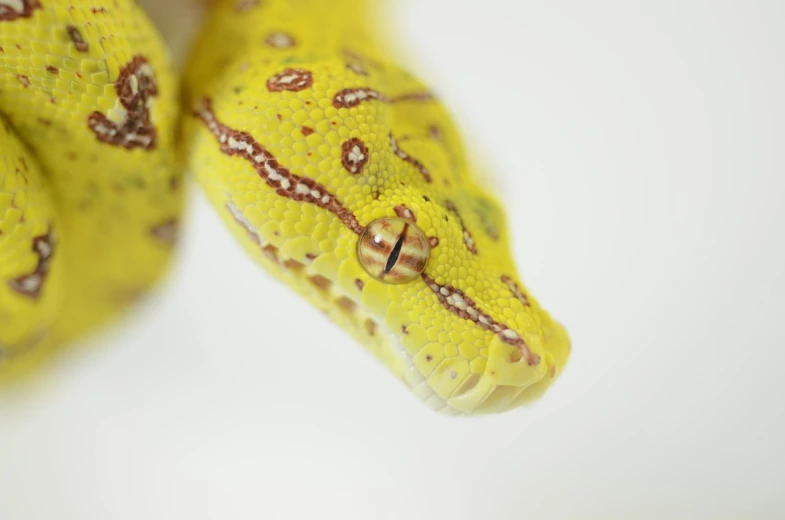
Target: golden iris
column 393, row 250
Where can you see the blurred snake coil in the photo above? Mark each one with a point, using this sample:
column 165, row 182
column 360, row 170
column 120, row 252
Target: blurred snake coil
column 341, row 174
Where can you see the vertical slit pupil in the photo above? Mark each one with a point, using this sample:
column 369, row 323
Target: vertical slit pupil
column 393, row 258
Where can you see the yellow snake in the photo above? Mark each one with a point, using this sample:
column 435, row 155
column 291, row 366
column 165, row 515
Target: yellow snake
column 340, row 173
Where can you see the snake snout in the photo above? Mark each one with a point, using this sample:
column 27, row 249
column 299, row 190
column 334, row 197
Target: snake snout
column 475, row 363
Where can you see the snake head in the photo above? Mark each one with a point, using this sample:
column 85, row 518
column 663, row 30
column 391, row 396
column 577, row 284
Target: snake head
column 347, row 179
column 458, row 326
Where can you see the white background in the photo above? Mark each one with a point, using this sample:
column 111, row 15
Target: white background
column 639, row 148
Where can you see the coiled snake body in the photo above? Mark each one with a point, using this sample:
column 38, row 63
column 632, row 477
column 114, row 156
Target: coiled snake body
column 341, row 174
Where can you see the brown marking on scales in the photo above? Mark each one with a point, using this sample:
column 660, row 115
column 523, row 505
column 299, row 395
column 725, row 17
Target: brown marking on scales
column 311, row 256
column 359, row 284
column 175, row 181
column 165, row 232
column 293, row 265
column 464, row 307
column 357, row 68
column 52, row 70
column 346, row 304
column 135, row 88
column 280, row 40
column 361, row 60
column 415, row 96
column 467, row 236
column 306, row 130
column 45, row 122
column 405, row 213
column 409, row 159
column 436, row 133
column 278, row 177
column 354, row 155
column 271, row 253
column 98, row 10
column 30, row 285
column 244, row 5
column 404, row 330
column 320, row 282
column 351, row 97
column 292, row 80
column 76, row 38
column 24, row 80
column 358, row 63
column 14, row 9
column 370, row 327
column 487, row 225
column 433, row 241
column 515, row 290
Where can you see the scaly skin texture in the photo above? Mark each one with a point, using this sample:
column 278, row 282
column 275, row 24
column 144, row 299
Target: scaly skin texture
column 302, row 131
column 115, row 207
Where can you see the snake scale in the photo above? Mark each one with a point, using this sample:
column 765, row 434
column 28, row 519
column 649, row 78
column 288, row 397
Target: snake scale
column 340, row 173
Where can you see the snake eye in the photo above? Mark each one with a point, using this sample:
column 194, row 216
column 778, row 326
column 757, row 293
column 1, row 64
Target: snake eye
column 393, row 250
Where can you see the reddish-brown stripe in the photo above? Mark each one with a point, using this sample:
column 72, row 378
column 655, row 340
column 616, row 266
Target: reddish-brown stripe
column 409, row 159
column 467, row 236
column 9, row 13
column 351, row 97
column 515, row 290
column 490, row 229
column 135, row 87
column 405, row 213
column 76, row 37
column 357, row 57
column 458, row 303
column 357, row 68
column 285, row 183
column 30, row 284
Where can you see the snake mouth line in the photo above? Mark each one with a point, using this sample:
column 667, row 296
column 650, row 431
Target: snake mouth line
column 344, row 307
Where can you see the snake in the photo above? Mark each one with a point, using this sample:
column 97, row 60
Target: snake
column 340, row 173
